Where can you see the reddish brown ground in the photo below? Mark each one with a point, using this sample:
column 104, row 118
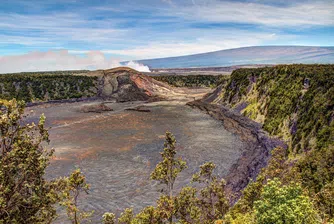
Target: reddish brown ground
column 117, row 150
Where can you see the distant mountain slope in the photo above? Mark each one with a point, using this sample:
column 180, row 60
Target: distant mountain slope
column 248, row 55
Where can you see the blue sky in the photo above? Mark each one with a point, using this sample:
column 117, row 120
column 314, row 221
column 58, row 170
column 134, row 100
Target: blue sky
column 138, row 29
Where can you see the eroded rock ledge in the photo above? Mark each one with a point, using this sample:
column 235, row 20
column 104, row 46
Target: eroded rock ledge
column 255, row 156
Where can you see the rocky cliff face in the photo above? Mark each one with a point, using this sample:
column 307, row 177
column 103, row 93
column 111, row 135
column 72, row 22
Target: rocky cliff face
column 119, row 84
column 259, row 144
column 125, row 84
column 291, row 102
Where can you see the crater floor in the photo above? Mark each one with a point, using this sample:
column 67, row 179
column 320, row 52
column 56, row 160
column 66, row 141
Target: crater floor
column 118, row 150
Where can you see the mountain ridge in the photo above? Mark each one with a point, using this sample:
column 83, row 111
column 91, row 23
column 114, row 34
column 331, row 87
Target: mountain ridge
column 247, row 55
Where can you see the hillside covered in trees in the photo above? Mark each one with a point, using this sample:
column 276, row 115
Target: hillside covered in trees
column 294, row 103
column 211, row 81
column 45, row 86
column 62, row 85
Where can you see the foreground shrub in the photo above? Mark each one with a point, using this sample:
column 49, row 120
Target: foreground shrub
column 25, row 195
column 284, row 204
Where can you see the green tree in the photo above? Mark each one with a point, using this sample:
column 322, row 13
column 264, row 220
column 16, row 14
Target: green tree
column 284, row 204
column 76, row 183
column 148, row 215
column 25, row 195
column 324, row 201
column 165, row 209
column 126, row 216
column 240, row 218
column 275, row 168
column 213, row 201
column 108, row 218
column 168, row 169
column 186, row 206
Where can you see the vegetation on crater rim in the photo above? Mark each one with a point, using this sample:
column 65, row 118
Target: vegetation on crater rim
column 211, row 81
column 294, row 102
column 61, row 85
column 45, row 86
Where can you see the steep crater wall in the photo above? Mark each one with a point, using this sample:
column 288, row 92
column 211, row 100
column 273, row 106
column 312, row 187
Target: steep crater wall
column 257, row 153
column 291, row 102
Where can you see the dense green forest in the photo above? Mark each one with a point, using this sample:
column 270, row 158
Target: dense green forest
column 43, row 86
column 211, row 81
column 295, row 103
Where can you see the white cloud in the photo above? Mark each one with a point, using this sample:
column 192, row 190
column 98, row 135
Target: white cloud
column 57, row 29
column 161, row 31
column 308, row 14
column 60, row 60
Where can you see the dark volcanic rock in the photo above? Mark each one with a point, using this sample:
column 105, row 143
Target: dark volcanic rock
column 209, row 98
column 255, row 156
column 139, row 109
column 97, row 108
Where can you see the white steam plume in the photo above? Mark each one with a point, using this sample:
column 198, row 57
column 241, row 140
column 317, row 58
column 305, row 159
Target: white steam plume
column 61, row 60
column 137, row 66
